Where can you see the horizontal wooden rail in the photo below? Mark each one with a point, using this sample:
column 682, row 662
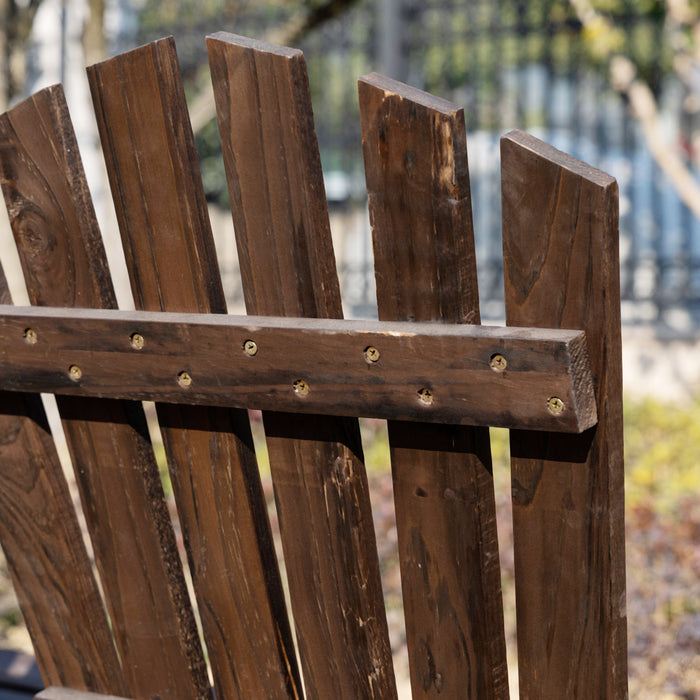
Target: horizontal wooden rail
column 510, row 377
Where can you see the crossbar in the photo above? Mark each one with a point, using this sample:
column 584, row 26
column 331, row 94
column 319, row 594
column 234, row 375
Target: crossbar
column 460, row 374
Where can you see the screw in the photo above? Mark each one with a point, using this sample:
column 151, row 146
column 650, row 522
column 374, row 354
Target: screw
column 137, row 341
column 75, row 373
column 301, row 387
column 30, row 336
column 372, row 354
column 555, row 405
column 498, row 363
column 250, row 347
column 426, row 396
column 184, row 379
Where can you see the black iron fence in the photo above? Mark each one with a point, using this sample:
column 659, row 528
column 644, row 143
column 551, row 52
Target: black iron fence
column 514, row 64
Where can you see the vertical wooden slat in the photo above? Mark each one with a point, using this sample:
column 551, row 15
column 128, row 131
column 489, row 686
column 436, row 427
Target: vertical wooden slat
column 43, row 545
column 420, row 210
column 136, row 553
column 288, row 268
column 155, row 180
column 560, row 239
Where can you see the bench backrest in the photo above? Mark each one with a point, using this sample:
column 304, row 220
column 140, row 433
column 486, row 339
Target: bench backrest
column 561, row 272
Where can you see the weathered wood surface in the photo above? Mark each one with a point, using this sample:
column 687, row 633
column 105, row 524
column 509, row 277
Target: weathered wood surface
column 159, row 199
column 560, row 239
column 64, row 263
column 288, row 269
column 420, row 209
column 44, row 549
column 388, row 365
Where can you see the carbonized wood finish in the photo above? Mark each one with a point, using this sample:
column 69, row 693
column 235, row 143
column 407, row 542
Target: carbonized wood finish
column 63, row 259
column 44, row 549
column 560, row 238
column 288, row 268
column 390, row 366
column 152, row 165
column 420, row 209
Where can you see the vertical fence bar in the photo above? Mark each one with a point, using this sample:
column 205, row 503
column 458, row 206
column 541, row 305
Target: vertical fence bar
column 420, row 208
column 159, row 198
column 560, row 240
column 288, row 267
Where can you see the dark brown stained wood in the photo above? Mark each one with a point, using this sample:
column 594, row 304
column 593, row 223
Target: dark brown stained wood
column 136, row 553
column 45, row 552
column 420, row 210
column 560, row 239
column 155, row 180
column 288, row 268
column 387, row 364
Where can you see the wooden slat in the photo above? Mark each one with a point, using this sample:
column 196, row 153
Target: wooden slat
column 63, row 259
column 560, row 238
column 155, row 181
column 288, row 268
column 419, row 200
column 387, row 365
column 44, row 549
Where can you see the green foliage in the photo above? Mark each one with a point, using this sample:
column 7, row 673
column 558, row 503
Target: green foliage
column 661, row 452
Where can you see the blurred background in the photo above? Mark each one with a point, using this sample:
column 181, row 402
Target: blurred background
column 613, row 82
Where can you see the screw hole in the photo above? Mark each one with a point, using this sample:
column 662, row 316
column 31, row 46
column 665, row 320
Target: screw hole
column 137, row 341
column 301, row 387
column 30, row 336
column 184, row 379
column 425, row 396
column 498, row 363
column 75, row 373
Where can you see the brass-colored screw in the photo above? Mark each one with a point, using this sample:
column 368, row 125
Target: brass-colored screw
column 301, row 387
column 137, row 341
column 426, row 396
column 30, row 336
column 75, row 373
column 250, row 347
column 184, row 379
column 372, row 354
column 555, row 405
column 498, row 363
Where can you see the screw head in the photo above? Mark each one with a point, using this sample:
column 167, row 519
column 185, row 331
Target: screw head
column 75, row 373
column 425, row 396
column 498, row 363
column 301, row 387
column 372, row 354
column 184, row 379
column 250, row 347
column 555, row 405
column 137, row 341
column 30, row 336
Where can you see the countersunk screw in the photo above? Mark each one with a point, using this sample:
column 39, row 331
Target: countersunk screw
column 75, row 373
column 184, row 379
column 372, row 354
column 426, row 396
column 137, row 341
column 301, row 387
column 30, row 336
column 498, row 363
column 555, row 405
column 250, row 347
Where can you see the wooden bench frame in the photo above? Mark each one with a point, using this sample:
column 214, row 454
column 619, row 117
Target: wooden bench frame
column 553, row 376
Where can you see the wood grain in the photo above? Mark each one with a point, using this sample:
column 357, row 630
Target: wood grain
column 64, row 262
column 466, row 390
column 44, row 549
column 288, row 269
column 415, row 156
column 155, row 181
column 560, row 238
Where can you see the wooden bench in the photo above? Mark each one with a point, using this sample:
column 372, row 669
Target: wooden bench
column 552, row 375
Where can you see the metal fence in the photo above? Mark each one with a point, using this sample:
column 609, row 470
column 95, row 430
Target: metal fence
column 512, row 64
